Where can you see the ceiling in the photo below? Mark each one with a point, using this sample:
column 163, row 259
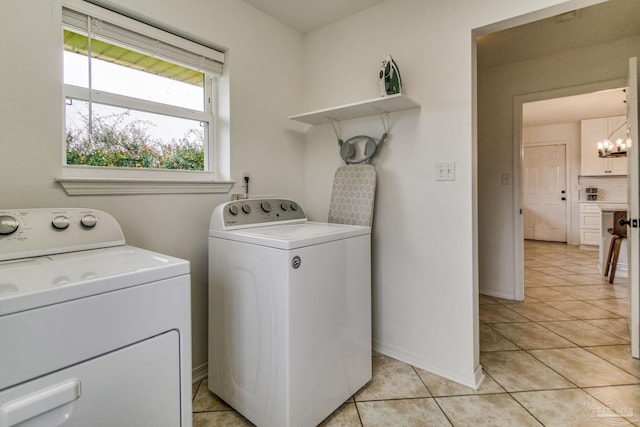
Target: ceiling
column 574, row 108
column 308, row 15
column 601, row 23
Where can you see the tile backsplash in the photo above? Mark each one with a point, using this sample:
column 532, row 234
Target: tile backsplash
column 610, row 188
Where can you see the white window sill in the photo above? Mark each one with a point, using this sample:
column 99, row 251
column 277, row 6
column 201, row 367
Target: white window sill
column 81, row 186
column 91, row 181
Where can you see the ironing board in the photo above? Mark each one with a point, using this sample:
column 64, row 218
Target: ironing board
column 353, row 195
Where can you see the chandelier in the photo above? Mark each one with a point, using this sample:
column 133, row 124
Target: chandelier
column 607, row 148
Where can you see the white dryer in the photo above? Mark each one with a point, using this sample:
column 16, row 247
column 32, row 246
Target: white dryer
column 93, row 332
column 289, row 312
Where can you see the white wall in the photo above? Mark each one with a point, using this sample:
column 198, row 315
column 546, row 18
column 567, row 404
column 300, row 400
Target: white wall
column 424, row 273
column 264, row 72
column 569, row 133
column 497, row 88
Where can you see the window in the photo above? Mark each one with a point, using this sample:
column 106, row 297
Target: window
column 136, row 97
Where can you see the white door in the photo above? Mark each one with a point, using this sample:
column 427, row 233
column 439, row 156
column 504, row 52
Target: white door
column 545, row 214
column 634, row 207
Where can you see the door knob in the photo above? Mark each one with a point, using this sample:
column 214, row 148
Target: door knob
column 633, row 223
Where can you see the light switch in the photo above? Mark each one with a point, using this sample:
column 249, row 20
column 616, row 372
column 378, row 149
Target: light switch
column 506, row 178
column 446, row 171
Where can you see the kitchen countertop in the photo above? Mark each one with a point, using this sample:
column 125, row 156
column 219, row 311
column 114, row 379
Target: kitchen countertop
column 612, row 206
column 605, row 202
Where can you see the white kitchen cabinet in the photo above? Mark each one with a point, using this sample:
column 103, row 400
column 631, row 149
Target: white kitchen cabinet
column 589, row 226
column 593, row 131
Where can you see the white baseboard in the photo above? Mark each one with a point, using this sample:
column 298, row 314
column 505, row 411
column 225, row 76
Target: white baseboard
column 199, row 372
column 480, row 377
column 498, row 293
column 622, row 270
column 589, row 247
column 472, row 381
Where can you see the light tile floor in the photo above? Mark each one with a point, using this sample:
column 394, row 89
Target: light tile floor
column 560, row 358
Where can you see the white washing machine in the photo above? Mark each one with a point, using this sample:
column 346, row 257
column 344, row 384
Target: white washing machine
column 289, row 312
column 93, row 332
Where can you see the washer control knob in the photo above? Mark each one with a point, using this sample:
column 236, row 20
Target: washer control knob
column 60, row 222
column 266, row 206
column 246, row 209
column 233, row 210
column 293, row 206
column 284, row 206
column 8, row 224
column 89, row 221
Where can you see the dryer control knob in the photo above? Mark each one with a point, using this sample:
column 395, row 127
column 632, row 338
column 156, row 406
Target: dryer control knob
column 294, row 207
column 284, row 206
column 8, row 224
column 60, row 222
column 89, row 221
column 233, row 210
column 246, row 209
column 266, row 206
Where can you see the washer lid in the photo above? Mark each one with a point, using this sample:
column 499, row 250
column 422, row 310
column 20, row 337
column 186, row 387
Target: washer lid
column 35, row 282
column 294, row 235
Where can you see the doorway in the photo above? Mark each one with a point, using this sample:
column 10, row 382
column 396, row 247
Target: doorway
column 542, row 121
column 512, row 70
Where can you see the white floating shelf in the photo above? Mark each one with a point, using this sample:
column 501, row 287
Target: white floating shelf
column 385, row 104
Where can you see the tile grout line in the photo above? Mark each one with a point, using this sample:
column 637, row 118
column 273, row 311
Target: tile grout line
column 585, row 348
column 527, row 351
column 432, row 396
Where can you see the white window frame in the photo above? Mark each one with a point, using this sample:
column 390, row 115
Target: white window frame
column 92, row 180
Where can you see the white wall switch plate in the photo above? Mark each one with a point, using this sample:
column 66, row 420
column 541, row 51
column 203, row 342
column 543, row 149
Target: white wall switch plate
column 506, row 178
column 446, row 171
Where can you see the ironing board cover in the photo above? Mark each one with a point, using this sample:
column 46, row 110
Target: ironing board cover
column 353, row 195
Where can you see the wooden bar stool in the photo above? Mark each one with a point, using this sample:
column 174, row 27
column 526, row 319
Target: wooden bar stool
column 618, row 234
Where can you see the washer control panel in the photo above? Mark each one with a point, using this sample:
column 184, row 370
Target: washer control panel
column 28, row 233
column 256, row 212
